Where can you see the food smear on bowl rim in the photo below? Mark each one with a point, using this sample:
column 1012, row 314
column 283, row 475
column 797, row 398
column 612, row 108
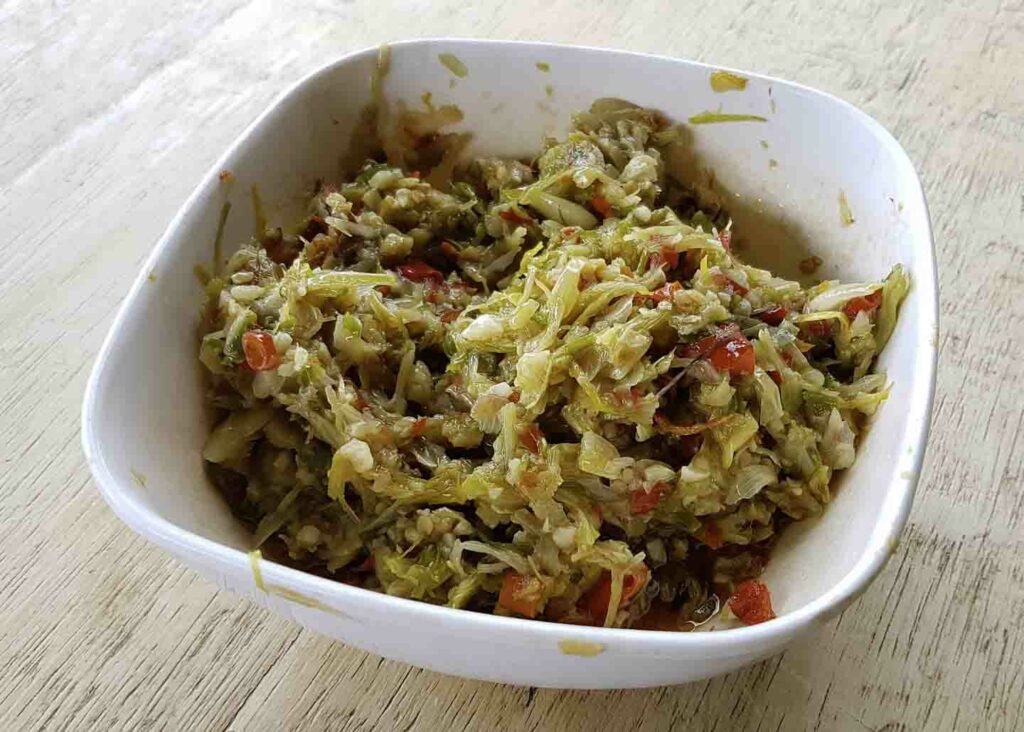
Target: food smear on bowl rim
column 724, row 81
column 545, row 388
column 586, row 649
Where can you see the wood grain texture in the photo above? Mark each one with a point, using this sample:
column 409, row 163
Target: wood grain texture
column 111, row 111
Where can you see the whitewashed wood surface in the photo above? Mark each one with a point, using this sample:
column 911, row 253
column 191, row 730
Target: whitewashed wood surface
column 109, row 113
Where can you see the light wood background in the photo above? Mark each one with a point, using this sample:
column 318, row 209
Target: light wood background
column 110, row 111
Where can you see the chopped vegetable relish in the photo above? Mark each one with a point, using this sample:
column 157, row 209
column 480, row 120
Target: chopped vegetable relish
column 545, row 389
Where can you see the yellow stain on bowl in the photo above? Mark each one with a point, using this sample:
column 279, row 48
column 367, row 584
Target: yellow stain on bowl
column 543, row 66
column 254, row 564
column 136, row 475
column 580, row 648
column 257, row 575
column 723, row 81
column 302, row 599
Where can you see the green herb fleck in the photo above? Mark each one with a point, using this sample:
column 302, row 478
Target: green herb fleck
column 707, row 118
column 453, row 64
column 845, row 214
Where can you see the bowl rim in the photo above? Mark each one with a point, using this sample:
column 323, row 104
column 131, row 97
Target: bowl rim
column 882, row 539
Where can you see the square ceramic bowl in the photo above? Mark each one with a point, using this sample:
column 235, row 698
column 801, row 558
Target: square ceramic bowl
column 144, row 422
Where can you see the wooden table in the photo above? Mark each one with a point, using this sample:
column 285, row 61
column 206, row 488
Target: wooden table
column 111, row 111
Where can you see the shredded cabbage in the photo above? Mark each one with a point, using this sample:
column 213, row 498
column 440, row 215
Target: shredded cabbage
column 543, row 388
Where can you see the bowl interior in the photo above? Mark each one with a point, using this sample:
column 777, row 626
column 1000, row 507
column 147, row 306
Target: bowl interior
column 781, row 179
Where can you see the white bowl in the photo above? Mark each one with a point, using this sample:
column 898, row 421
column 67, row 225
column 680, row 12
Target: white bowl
column 144, row 422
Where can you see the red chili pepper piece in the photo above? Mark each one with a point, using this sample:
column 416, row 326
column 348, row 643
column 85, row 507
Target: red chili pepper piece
column 817, row 328
column 735, row 356
column 513, row 217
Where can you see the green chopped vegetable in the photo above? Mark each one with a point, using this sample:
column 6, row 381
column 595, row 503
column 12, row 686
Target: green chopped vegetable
column 453, row 64
column 543, row 388
column 707, row 118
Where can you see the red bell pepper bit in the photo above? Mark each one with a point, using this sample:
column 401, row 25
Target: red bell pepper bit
column 752, row 603
column 666, row 292
column 601, row 205
column 420, row 272
column 699, row 348
column 530, row 437
column 520, row 593
column 259, row 350
column 367, row 565
column 643, row 501
column 712, row 535
column 727, row 350
column 597, row 599
column 666, row 256
column 867, row 304
column 819, row 329
column 772, row 315
column 730, row 285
